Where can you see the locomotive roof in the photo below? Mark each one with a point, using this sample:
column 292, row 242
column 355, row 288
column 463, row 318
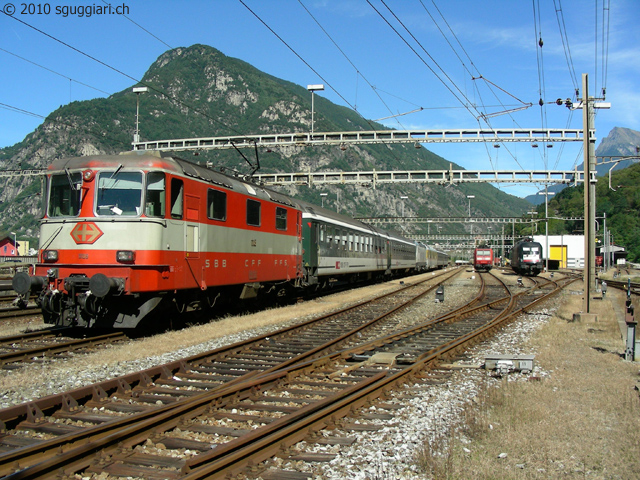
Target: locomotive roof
column 146, row 160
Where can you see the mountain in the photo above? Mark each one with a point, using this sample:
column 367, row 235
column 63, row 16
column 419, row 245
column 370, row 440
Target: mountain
column 622, row 142
column 200, row 92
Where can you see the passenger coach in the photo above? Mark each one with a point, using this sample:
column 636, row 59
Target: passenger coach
column 339, row 248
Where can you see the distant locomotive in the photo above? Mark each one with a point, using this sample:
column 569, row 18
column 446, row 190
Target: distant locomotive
column 125, row 235
column 483, row 258
column 526, row 258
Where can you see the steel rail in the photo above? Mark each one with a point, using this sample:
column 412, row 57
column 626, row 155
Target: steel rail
column 20, row 312
column 232, row 461
column 48, row 332
column 54, row 348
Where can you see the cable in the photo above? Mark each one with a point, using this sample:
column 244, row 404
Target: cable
column 150, row 87
column 54, row 72
column 101, row 135
column 565, row 43
column 300, row 57
column 420, row 57
column 605, row 41
column 142, row 28
column 358, row 72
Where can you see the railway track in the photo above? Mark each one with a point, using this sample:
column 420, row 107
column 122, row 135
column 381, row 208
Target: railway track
column 220, row 432
column 46, row 344
column 622, row 285
column 14, row 312
column 164, row 385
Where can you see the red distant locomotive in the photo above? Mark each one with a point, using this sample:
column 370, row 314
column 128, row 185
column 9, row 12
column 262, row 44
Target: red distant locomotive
column 483, row 258
column 125, row 235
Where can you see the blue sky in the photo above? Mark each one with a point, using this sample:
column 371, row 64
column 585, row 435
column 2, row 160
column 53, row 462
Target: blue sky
column 373, row 70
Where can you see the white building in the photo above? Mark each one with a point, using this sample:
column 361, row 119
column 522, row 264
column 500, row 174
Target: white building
column 566, row 250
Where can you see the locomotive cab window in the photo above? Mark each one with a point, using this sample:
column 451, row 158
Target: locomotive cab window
column 176, row 198
column 281, row 218
column 216, row 205
column 119, row 193
column 253, row 213
column 64, row 200
column 155, row 197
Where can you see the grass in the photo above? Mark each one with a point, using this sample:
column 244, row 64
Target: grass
column 580, row 421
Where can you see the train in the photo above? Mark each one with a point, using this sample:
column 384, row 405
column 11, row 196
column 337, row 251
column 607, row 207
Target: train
column 483, row 258
column 526, row 258
column 124, row 236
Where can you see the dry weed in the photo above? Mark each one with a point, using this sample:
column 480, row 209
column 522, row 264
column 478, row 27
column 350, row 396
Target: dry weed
column 581, row 421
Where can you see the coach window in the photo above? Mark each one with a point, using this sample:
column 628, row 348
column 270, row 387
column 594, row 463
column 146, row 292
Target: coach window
column 281, row 218
column 65, row 195
column 177, row 187
column 253, row 213
column 155, row 198
column 216, row 205
column 119, row 193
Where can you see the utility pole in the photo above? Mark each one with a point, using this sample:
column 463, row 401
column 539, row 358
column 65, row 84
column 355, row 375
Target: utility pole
column 588, row 105
column 138, row 91
column 589, row 211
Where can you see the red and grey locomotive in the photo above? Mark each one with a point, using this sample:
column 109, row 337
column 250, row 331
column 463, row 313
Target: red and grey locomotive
column 123, row 234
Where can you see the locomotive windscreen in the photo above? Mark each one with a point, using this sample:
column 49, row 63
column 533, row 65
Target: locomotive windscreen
column 119, row 193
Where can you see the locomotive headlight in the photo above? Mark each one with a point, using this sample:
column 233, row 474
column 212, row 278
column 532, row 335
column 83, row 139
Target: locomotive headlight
column 125, row 256
column 88, row 175
column 50, row 256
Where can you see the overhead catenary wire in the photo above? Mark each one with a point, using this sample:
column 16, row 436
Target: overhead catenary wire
column 478, row 115
column 606, row 12
column 100, row 135
column 261, row 20
column 447, row 86
column 564, row 37
column 358, row 71
column 54, row 72
column 137, row 81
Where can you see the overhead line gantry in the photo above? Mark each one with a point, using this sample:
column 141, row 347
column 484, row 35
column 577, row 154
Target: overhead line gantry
column 533, row 135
